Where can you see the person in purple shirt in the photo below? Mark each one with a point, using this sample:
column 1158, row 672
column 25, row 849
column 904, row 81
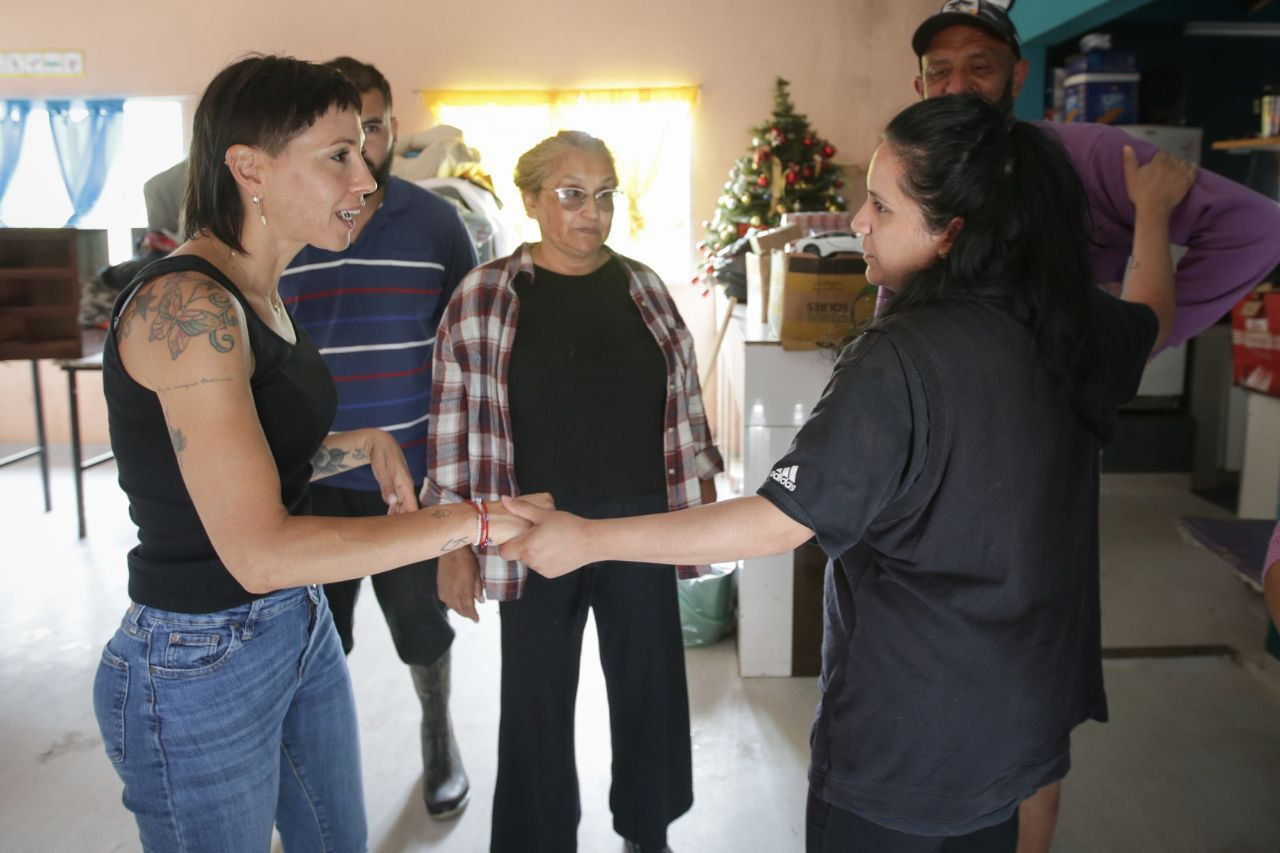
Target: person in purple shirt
column 1231, row 233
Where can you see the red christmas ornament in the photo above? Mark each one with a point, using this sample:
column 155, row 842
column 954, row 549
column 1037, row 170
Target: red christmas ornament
column 808, row 171
column 808, row 140
column 838, row 184
column 763, row 181
column 828, row 151
column 791, row 176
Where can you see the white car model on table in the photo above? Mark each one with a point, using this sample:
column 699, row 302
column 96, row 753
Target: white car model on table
column 829, row 243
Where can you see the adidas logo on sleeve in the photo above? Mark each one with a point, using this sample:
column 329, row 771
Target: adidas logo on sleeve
column 785, row 476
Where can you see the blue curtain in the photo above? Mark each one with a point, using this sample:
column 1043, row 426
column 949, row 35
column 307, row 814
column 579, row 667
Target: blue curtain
column 86, row 149
column 13, row 123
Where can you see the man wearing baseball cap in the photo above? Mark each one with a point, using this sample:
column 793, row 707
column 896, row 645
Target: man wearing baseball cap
column 1229, row 230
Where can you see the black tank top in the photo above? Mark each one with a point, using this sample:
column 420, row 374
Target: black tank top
column 174, row 566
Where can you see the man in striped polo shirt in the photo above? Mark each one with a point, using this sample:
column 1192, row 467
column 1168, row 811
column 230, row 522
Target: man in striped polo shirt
column 372, row 311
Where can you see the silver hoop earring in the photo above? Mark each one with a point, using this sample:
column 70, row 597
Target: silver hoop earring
column 257, row 202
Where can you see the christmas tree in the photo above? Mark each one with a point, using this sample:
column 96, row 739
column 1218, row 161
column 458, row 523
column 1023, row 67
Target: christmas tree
column 788, row 168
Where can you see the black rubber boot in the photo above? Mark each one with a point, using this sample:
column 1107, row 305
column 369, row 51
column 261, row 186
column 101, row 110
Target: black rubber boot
column 445, row 788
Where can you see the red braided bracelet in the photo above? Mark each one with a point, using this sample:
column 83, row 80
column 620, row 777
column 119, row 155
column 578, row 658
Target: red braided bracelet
column 482, row 524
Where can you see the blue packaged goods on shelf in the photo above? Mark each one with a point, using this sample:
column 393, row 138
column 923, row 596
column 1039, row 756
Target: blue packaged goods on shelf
column 1106, row 98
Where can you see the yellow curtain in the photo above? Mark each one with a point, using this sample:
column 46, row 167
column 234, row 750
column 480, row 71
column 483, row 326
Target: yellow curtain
column 648, row 129
column 436, row 98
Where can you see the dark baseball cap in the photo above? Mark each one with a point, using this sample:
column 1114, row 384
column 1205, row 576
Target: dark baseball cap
column 990, row 15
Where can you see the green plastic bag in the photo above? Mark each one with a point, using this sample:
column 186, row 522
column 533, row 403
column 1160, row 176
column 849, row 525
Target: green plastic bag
column 708, row 604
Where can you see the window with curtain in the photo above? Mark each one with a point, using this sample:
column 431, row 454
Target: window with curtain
column 649, row 132
column 83, row 163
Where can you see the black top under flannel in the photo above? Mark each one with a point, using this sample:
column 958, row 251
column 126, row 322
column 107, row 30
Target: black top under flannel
column 587, row 389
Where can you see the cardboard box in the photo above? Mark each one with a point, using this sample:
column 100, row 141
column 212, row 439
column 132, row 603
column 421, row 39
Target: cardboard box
column 1255, row 340
column 764, row 242
column 758, row 266
column 758, row 269
column 816, row 300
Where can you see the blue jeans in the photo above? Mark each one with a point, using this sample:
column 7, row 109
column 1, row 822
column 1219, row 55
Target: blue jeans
column 221, row 724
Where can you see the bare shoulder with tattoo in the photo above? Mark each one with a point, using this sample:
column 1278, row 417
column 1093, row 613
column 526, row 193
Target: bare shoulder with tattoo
column 182, row 330
column 179, row 308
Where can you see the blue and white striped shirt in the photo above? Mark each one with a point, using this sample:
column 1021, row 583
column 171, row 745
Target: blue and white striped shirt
column 372, row 311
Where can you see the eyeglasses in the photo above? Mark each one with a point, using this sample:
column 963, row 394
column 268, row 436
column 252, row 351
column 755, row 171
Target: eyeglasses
column 574, row 198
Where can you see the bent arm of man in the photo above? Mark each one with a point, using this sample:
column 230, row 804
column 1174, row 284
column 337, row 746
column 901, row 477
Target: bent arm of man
column 1155, row 188
column 200, row 369
column 1229, row 231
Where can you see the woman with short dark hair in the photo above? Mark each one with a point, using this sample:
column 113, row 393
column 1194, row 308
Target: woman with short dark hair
column 950, row 472
column 223, row 699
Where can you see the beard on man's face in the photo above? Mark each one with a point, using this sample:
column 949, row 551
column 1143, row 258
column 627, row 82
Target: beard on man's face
column 381, row 171
column 1005, row 102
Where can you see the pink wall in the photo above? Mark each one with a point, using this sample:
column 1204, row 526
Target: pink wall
column 849, row 63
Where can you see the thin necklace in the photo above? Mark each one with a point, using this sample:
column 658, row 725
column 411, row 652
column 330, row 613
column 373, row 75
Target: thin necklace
column 273, row 298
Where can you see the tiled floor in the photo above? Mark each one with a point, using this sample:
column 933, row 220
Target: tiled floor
column 1190, row 761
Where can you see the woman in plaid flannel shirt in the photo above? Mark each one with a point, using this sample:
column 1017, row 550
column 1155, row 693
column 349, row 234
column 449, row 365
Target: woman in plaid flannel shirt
column 567, row 368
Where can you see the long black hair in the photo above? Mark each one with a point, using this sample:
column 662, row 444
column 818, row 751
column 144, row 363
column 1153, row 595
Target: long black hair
column 263, row 101
column 1026, row 227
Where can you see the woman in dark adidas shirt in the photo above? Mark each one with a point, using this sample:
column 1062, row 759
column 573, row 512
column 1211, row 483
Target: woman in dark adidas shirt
column 950, row 472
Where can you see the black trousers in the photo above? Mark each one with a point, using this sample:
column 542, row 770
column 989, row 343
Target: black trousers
column 536, row 806
column 407, row 595
column 829, row 829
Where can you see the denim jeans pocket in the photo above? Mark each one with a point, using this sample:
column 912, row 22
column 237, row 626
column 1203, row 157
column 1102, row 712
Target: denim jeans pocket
column 189, row 651
column 110, row 689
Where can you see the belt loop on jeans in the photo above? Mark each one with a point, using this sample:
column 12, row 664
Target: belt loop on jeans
column 133, row 619
column 246, row 630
